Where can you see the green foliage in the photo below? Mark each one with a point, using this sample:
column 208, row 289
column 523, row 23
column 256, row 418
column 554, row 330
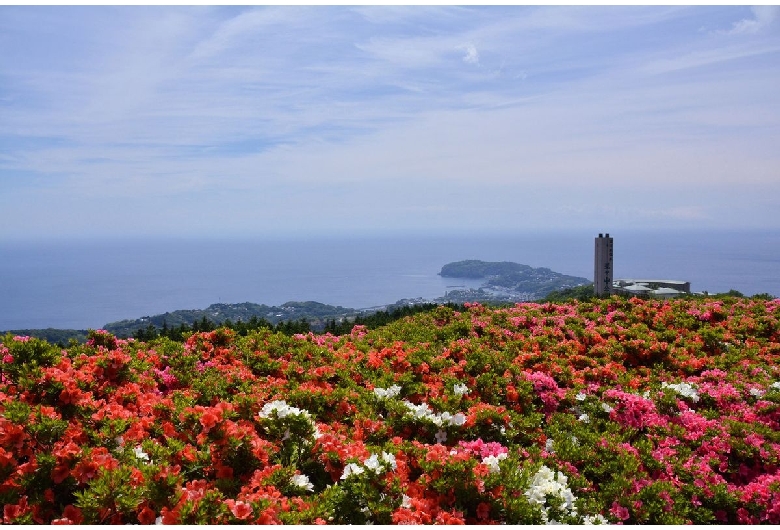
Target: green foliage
column 113, row 496
column 23, row 357
column 583, row 293
column 58, row 337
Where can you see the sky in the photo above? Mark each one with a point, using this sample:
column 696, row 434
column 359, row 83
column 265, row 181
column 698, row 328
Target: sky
column 147, row 121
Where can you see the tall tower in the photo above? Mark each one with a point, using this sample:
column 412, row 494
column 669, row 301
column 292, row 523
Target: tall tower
column 602, row 271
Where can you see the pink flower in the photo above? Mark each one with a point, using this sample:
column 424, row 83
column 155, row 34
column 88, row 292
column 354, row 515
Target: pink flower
column 619, row 511
column 634, row 411
column 483, row 449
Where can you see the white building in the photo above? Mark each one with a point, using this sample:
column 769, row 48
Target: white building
column 652, row 288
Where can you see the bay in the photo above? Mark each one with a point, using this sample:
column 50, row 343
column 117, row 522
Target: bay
column 86, row 284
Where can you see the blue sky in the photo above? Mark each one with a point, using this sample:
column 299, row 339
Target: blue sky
column 181, row 121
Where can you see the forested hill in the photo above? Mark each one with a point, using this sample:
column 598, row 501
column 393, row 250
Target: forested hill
column 314, row 312
column 506, row 277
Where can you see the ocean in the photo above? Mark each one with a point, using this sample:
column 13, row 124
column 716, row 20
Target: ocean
column 86, row 284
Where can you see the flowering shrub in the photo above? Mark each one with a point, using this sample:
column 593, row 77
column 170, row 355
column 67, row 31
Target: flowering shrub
column 611, row 411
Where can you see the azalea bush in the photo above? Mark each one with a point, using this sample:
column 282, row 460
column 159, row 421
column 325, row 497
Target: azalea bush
column 609, row 411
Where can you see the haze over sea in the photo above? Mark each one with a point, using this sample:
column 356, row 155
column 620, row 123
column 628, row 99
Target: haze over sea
column 86, row 284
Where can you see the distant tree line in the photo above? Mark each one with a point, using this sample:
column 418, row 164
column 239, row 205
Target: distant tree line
column 289, row 327
column 381, row 318
column 182, row 331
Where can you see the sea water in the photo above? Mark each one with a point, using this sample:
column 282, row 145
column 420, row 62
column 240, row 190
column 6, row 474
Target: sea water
column 86, row 284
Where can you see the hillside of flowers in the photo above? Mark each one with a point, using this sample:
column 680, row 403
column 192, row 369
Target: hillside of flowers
column 609, row 411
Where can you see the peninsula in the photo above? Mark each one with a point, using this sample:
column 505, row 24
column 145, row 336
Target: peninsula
column 507, row 281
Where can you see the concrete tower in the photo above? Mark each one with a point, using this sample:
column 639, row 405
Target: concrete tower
column 602, row 271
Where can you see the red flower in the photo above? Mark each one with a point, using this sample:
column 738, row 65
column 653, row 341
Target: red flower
column 240, row 509
column 88, row 468
column 85, row 471
column 146, row 516
column 170, row 516
column 11, row 435
column 224, row 471
column 13, row 511
column 269, row 516
column 209, row 419
column 450, row 518
column 70, row 394
column 6, row 458
column 60, row 472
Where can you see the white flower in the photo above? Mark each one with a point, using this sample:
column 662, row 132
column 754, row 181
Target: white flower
column 492, row 462
column 420, row 411
column 406, row 502
column 424, row 412
column 282, row 410
column 546, row 483
column 458, row 419
column 302, row 481
column 383, row 393
column 683, row 389
column 756, row 392
column 580, row 396
column 351, row 469
column 460, row 389
column 548, row 446
column 584, row 418
column 373, row 464
column 389, row 459
column 441, row 437
column 606, row 408
column 378, row 463
column 140, row 454
column 775, row 385
column 594, row 519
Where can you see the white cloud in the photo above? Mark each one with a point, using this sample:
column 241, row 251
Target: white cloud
column 472, row 56
column 706, row 57
column 763, row 17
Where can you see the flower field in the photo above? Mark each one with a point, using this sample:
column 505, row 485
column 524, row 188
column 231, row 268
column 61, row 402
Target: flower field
column 611, row 411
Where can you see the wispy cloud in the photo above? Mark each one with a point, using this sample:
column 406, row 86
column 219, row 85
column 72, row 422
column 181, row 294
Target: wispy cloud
column 313, row 112
column 472, row 56
column 763, row 18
